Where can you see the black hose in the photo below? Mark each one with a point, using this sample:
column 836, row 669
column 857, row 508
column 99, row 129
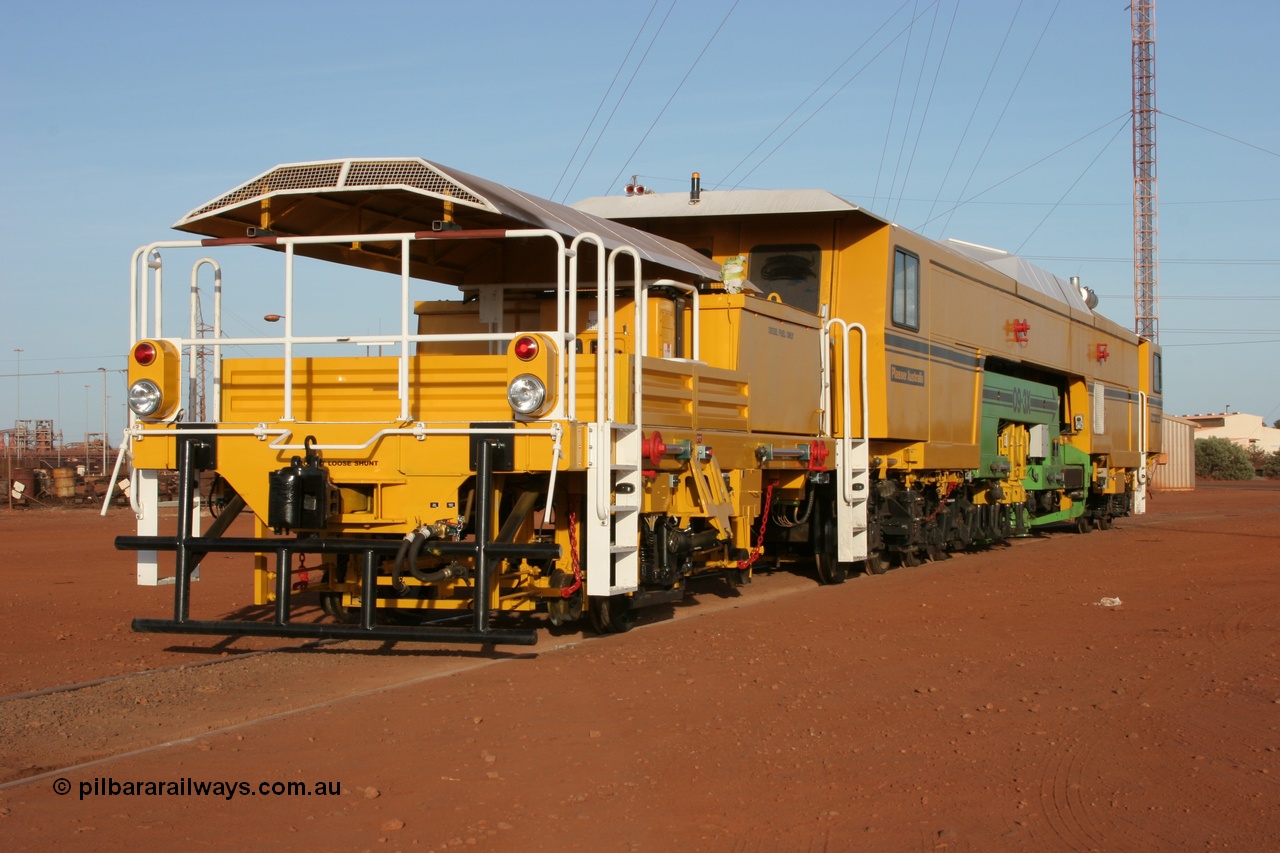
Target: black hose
column 398, row 566
column 808, row 509
column 451, row 571
column 419, row 539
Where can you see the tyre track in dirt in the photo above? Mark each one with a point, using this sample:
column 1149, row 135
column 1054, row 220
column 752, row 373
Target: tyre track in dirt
column 984, row 703
column 58, row 729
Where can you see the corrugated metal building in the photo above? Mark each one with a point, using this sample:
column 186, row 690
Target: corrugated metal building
column 1176, row 467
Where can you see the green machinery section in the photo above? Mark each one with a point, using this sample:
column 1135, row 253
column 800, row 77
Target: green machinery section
column 1021, row 444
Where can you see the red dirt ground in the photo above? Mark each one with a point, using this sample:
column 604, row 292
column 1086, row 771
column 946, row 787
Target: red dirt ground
column 987, row 702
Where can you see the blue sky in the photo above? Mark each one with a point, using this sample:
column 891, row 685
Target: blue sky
column 116, row 119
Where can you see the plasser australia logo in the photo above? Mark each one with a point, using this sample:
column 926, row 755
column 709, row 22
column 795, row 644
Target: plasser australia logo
column 906, row 375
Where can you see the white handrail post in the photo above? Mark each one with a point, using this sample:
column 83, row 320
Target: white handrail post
column 288, row 331
column 572, row 252
column 194, row 349
column 134, row 263
column 696, row 354
column 1140, row 487
column 565, row 343
column 158, row 266
column 865, row 396
column 639, row 339
column 571, row 323
column 403, row 371
column 824, row 390
column 217, row 348
column 193, row 346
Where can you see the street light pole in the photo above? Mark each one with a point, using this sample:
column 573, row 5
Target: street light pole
column 58, row 411
column 17, row 420
column 86, row 428
column 103, row 370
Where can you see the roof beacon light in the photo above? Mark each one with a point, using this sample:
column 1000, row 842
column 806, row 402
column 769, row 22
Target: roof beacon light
column 695, row 190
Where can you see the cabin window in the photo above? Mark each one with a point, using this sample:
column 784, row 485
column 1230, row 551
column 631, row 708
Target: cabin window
column 906, row 290
column 792, row 272
column 1157, row 381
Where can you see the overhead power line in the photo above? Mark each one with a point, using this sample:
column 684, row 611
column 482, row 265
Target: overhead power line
column 621, row 97
column 729, row 174
column 1078, row 179
column 1202, row 298
column 1206, row 261
column 1219, row 133
column 1124, row 115
column 1221, row 344
column 679, row 86
column 603, row 99
column 1009, row 100
column 832, row 96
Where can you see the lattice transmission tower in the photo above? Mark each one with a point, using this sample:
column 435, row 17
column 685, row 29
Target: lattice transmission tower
column 1146, row 306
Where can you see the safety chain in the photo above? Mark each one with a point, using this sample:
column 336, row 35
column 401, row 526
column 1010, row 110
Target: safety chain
column 305, row 576
column 942, row 501
column 568, row 591
column 743, row 565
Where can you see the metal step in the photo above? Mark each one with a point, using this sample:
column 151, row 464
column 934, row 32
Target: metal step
column 613, row 553
column 851, row 500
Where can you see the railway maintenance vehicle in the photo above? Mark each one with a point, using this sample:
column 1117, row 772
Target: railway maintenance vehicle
column 617, row 397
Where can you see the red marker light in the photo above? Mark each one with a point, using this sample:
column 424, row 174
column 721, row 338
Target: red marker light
column 526, row 348
column 144, row 353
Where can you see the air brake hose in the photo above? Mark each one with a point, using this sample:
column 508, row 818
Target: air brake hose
column 451, row 571
column 398, row 566
column 419, row 539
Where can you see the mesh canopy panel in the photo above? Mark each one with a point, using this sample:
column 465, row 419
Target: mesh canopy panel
column 331, row 176
column 301, row 177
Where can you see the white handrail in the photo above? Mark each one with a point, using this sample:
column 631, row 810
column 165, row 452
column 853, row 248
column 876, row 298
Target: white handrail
column 572, row 332
column 288, row 332
column 418, row 430
column 146, row 309
column 846, row 408
column 402, row 373
column 143, row 313
column 193, row 355
column 639, row 343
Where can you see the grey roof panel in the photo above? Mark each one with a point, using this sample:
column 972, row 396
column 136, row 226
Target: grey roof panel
column 713, row 203
column 390, row 195
column 1024, row 272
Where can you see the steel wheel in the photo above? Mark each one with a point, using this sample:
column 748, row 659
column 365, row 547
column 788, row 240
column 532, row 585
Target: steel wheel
column 830, row 570
column 563, row 610
column 909, row 558
column 610, row 614
column 875, row 564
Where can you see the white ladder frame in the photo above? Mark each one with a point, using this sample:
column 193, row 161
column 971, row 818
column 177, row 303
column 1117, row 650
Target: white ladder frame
column 1140, row 487
column 853, row 464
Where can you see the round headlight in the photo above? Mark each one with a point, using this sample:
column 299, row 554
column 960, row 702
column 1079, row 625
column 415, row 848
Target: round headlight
column 526, row 394
column 144, row 397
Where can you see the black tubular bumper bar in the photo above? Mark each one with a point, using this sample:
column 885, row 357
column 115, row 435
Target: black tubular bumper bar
column 190, row 550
